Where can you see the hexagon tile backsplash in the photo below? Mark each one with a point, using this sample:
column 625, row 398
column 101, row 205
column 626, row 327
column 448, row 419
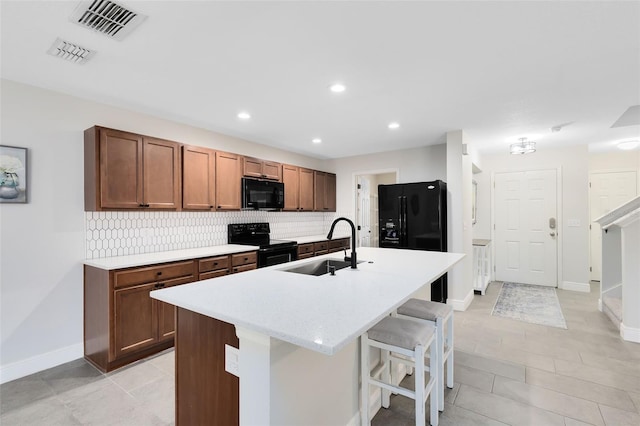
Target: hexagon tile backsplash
column 123, row 233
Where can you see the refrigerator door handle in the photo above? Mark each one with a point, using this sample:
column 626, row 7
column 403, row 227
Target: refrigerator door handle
column 400, row 226
column 405, row 238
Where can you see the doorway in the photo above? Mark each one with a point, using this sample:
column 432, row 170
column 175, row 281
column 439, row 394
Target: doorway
column 526, row 224
column 607, row 190
column 366, row 195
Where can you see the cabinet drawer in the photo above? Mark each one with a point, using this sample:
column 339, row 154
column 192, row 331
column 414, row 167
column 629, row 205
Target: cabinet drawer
column 321, row 252
column 305, row 249
column 213, row 264
column 341, row 243
column 244, row 268
column 213, row 274
column 323, row 246
column 305, row 256
column 129, row 277
column 244, row 258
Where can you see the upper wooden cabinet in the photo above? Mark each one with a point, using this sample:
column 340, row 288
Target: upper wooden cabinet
column 324, row 191
column 228, row 173
column 198, row 178
column 298, row 188
column 261, row 169
column 306, row 189
column 129, row 171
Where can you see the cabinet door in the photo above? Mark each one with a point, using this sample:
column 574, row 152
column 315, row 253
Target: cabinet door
column 306, row 189
column 167, row 312
column 320, row 184
column 161, row 174
column 135, row 319
column 271, row 170
column 120, row 170
column 228, row 168
column 291, row 187
column 198, row 178
column 330, row 193
column 252, row 167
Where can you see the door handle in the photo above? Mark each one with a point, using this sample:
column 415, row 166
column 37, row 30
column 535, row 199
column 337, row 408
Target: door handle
column 553, row 234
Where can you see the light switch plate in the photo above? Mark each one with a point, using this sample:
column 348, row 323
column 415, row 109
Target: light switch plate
column 231, row 356
column 573, row 222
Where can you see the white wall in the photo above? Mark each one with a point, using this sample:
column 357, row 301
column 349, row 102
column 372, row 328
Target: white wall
column 574, row 163
column 459, row 238
column 43, row 242
column 616, row 160
column 412, row 165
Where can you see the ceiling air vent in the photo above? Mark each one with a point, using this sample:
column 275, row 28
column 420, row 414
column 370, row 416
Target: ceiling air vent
column 107, row 17
column 70, row 51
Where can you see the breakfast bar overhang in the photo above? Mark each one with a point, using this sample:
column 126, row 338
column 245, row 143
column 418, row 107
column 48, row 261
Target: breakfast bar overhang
column 298, row 354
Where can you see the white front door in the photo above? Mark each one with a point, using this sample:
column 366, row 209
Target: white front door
column 526, row 227
column 607, row 190
column 364, row 212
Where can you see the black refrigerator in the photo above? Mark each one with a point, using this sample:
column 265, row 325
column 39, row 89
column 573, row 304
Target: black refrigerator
column 414, row 216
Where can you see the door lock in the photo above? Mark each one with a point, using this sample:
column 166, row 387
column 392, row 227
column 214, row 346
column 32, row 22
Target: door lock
column 552, row 223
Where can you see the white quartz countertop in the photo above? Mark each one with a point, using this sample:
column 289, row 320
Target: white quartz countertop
column 119, row 262
column 322, row 313
column 314, row 238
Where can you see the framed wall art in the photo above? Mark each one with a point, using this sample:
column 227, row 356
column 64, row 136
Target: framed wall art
column 13, row 174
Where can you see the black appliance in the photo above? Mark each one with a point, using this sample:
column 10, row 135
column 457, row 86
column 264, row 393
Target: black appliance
column 271, row 252
column 262, row 194
column 414, row 216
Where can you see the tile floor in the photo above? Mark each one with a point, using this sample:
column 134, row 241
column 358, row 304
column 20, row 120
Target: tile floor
column 506, row 373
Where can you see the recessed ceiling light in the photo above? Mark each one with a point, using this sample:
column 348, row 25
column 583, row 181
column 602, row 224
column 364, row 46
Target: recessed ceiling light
column 316, row 140
column 244, row 115
column 338, row 88
column 394, row 125
column 628, row 145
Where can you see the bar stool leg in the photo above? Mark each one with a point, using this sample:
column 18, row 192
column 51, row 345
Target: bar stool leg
column 441, row 360
column 364, row 374
column 419, row 386
column 450, row 361
column 436, row 402
column 386, row 377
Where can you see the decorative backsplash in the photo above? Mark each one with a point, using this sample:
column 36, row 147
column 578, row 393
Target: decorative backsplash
column 123, row 233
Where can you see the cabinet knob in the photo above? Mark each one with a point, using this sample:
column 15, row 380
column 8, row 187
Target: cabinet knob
column 246, row 258
column 219, row 207
column 159, row 273
column 215, row 263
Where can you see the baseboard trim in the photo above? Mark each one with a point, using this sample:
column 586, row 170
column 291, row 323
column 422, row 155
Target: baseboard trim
column 41, row 362
column 573, row 286
column 355, row 420
column 629, row 334
column 461, row 305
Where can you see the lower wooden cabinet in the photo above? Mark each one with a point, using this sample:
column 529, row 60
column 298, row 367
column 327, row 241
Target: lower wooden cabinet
column 122, row 323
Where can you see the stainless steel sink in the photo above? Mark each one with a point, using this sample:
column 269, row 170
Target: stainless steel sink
column 319, row 267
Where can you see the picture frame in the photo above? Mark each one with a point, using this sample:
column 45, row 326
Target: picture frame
column 14, row 185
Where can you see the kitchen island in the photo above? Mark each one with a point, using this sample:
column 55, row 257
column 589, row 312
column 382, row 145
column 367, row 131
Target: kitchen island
column 297, row 334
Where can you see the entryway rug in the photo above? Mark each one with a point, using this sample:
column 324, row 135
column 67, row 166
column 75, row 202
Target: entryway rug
column 529, row 303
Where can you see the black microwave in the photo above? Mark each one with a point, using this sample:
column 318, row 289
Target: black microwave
column 262, row 194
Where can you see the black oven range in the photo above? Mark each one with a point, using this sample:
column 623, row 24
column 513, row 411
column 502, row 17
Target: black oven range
column 271, row 252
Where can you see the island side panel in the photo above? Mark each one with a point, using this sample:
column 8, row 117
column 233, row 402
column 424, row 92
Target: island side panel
column 205, row 392
column 96, row 317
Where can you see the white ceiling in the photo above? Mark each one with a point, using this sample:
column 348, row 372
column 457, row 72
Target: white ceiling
column 497, row 70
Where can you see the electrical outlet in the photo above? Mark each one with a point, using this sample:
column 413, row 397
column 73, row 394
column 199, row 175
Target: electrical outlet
column 231, row 360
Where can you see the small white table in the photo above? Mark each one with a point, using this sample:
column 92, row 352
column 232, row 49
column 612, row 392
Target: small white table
column 481, row 265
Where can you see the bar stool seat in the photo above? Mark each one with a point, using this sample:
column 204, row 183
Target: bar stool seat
column 437, row 314
column 397, row 336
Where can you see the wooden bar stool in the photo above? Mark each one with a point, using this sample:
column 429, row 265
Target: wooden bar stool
column 408, row 338
column 437, row 314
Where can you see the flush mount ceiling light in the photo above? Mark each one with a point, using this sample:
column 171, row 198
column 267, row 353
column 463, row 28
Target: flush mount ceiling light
column 244, row 115
column 628, row 145
column 523, row 146
column 107, row 17
column 70, row 51
column 393, row 125
column 337, row 88
column 316, row 140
